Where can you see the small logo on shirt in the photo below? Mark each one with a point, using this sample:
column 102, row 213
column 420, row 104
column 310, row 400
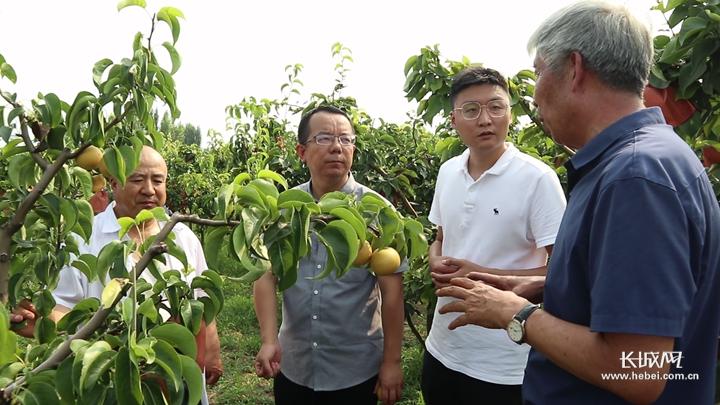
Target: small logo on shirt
column 495, row 211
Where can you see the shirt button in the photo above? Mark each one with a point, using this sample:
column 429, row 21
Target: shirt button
column 314, row 345
column 316, row 292
column 314, row 316
column 319, row 266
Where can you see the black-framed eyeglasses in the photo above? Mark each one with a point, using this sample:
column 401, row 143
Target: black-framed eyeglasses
column 471, row 110
column 327, row 139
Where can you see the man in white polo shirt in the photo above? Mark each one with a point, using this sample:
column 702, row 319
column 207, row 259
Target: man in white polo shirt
column 496, row 208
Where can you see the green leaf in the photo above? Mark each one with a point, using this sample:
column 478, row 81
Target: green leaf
column 127, row 379
column 284, row 263
column 70, row 213
column 691, row 26
column 195, row 315
column 98, row 70
column 172, row 11
column 415, row 234
column 44, row 302
column 193, row 378
column 110, row 255
column 5, row 132
column 92, row 355
column 63, row 381
column 160, row 214
column 250, row 195
column 351, row 216
column 152, row 394
column 39, row 393
column 83, row 177
column 328, row 204
column 127, row 3
column 167, row 358
column 130, row 158
column 125, row 224
column 142, row 349
column 86, row 264
column 21, row 171
column 689, row 74
column 54, row 108
column 144, row 215
column 242, row 178
column 115, row 164
column 77, row 114
column 97, row 367
column 147, row 309
column 274, row 176
column 294, row 195
column 45, row 330
column 177, row 252
column 174, row 57
column 265, row 188
column 85, row 219
column 111, row 291
column 171, row 20
column 213, row 245
column 8, row 71
column 178, row 336
column 342, row 239
column 389, row 225
column 8, row 338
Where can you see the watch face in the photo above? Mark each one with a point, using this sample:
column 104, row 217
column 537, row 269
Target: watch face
column 515, row 331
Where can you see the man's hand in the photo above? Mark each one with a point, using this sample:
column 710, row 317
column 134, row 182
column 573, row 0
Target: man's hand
column 439, row 267
column 481, row 304
column 213, row 361
column 528, row 287
column 390, row 382
column 213, row 371
column 267, row 361
column 462, row 269
column 24, row 312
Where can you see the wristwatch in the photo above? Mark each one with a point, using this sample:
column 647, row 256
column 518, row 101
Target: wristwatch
column 516, row 327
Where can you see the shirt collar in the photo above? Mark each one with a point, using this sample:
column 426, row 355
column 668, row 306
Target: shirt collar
column 110, row 223
column 498, row 168
column 620, row 129
column 589, row 155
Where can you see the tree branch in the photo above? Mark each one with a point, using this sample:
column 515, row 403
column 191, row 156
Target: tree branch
column 42, row 162
column 409, row 310
column 8, row 229
column 118, row 119
column 156, row 248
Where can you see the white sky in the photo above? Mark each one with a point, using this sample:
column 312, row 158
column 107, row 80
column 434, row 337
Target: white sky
column 234, row 49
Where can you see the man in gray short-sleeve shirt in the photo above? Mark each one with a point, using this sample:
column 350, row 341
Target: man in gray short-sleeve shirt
column 340, row 339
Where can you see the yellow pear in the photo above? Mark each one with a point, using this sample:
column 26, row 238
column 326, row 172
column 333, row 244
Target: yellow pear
column 98, row 181
column 363, row 255
column 385, row 261
column 90, row 158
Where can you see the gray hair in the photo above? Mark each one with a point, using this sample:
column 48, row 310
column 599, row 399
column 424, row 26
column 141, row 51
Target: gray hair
column 613, row 43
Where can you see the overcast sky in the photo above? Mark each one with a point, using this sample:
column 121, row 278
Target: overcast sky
column 231, row 50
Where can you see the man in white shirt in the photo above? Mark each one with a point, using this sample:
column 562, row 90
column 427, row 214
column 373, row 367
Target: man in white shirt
column 496, row 209
column 145, row 188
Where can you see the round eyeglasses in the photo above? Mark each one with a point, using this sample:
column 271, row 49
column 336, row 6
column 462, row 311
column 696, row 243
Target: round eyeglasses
column 471, row 110
column 326, row 140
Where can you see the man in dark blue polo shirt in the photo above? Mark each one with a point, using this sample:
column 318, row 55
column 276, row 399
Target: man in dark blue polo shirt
column 632, row 296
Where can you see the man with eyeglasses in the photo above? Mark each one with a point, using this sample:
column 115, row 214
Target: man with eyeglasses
column 496, row 209
column 331, row 348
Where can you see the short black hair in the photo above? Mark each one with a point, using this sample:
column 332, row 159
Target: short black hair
column 304, row 125
column 473, row 76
